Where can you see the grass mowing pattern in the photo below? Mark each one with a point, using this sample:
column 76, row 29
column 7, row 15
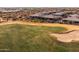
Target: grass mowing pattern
column 56, row 29
column 32, row 38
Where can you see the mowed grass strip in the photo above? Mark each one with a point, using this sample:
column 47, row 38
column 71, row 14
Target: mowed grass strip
column 17, row 37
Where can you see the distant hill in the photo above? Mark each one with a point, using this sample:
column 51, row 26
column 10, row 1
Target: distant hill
column 12, row 9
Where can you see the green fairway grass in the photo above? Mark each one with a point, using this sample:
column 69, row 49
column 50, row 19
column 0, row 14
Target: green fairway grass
column 17, row 37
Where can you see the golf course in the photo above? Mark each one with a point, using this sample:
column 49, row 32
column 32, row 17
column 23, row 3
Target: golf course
column 30, row 38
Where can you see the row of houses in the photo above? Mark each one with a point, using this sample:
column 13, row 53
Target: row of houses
column 18, row 15
column 57, row 17
column 52, row 15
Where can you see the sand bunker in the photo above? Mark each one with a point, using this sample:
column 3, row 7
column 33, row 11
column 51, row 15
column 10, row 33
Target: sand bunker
column 68, row 37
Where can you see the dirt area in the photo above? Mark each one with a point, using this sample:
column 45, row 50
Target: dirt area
column 67, row 37
column 69, row 27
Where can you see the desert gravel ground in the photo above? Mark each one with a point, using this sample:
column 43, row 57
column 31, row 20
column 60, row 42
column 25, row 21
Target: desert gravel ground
column 68, row 26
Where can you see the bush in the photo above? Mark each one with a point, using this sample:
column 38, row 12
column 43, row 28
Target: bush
column 37, row 20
